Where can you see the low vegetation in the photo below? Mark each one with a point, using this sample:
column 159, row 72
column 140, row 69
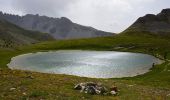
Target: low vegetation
column 12, row 35
column 154, row 85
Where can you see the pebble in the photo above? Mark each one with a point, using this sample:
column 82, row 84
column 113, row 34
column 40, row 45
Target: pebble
column 24, row 93
column 30, row 77
column 168, row 95
column 11, row 89
column 130, row 85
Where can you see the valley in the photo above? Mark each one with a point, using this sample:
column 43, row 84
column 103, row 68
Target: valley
column 24, row 85
column 152, row 85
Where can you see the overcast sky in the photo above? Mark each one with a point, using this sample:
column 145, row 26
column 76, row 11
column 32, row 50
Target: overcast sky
column 107, row 15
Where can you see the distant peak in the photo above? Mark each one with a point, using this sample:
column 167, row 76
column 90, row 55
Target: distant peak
column 150, row 15
column 65, row 19
column 32, row 15
column 150, row 23
column 147, row 18
column 166, row 10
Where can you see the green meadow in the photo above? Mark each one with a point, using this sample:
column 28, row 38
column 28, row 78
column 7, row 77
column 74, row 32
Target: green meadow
column 25, row 85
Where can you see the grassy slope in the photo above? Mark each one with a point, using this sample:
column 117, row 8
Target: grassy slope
column 12, row 35
column 154, row 85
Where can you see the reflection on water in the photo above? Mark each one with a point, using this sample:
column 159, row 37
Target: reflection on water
column 95, row 64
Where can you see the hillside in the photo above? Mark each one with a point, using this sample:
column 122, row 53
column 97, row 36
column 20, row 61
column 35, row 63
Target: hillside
column 154, row 24
column 59, row 28
column 154, row 85
column 27, row 85
column 12, row 35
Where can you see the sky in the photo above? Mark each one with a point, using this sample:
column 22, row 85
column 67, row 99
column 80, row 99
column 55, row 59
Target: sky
column 106, row 15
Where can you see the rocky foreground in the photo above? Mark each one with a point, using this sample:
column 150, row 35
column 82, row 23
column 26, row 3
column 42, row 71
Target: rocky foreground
column 96, row 89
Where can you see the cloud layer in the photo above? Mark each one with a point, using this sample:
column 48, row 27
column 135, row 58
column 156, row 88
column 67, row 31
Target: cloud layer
column 107, row 15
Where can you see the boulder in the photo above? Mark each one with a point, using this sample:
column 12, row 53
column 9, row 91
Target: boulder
column 90, row 90
column 94, row 88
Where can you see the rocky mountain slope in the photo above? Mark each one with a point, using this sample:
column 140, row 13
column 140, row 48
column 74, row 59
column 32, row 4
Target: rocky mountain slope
column 12, row 35
column 59, row 28
column 155, row 24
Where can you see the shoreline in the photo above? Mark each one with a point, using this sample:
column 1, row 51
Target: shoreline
column 158, row 62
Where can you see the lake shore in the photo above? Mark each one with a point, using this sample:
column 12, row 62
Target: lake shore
column 15, row 84
column 17, row 63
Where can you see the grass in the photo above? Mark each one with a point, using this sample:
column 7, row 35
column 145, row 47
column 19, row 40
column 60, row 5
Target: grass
column 12, row 35
column 154, row 85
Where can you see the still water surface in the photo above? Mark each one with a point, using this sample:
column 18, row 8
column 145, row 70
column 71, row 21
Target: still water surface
column 93, row 64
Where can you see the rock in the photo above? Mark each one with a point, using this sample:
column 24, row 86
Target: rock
column 130, row 85
column 102, row 89
column 114, row 88
column 30, row 77
column 98, row 91
column 24, row 93
column 168, row 95
column 90, row 90
column 78, row 87
column 91, row 84
column 113, row 93
column 83, row 88
column 94, row 88
column 11, row 89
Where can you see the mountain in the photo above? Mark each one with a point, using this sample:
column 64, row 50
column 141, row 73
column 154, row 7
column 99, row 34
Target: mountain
column 59, row 28
column 12, row 35
column 155, row 24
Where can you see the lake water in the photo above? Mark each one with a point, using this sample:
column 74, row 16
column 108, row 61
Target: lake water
column 93, row 64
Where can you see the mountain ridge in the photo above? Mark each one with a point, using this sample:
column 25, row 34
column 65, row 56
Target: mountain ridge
column 59, row 28
column 11, row 35
column 158, row 24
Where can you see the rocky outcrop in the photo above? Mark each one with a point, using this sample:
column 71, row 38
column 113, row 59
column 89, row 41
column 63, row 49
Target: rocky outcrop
column 156, row 24
column 96, row 89
column 59, row 28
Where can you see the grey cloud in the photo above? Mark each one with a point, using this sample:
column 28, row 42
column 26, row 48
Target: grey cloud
column 43, row 7
column 107, row 15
